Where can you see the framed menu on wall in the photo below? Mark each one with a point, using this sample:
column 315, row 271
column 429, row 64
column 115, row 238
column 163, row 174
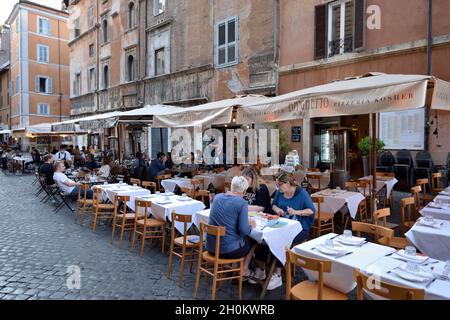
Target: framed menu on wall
column 296, row 134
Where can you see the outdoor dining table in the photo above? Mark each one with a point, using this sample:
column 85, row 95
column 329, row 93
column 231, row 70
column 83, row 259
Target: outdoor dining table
column 111, row 190
column 434, row 241
column 437, row 212
column 341, row 276
column 276, row 238
column 335, row 200
column 382, row 182
column 438, row 289
column 163, row 206
column 170, row 184
column 23, row 160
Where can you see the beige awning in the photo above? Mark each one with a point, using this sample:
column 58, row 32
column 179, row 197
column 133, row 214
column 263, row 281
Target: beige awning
column 441, row 95
column 147, row 113
column 46, row 129
column 367, row 94
column 214, row 113
column 98, row 121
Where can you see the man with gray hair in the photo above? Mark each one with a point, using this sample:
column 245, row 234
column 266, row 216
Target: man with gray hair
column 230, row 210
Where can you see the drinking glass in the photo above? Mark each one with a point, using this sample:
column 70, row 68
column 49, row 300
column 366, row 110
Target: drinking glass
column 158, row 192
column 410, row 251
column 135, row 185
column 184, row 195
column 348, row 234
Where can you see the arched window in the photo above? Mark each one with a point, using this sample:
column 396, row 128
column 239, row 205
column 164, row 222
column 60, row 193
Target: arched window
column 131, row 15
column 105, row 30
column 130, row 68
column 105, row 77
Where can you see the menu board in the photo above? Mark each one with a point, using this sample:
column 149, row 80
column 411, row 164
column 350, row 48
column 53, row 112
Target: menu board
column 403, row 130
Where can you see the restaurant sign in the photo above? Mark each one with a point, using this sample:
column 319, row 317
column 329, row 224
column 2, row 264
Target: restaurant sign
column 441, row 95
column 99, row 124
column 194, row 118
column 410, row 95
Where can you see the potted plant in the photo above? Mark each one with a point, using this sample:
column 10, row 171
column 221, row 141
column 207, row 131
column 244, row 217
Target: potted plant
column 365, row 146
column 283, row 142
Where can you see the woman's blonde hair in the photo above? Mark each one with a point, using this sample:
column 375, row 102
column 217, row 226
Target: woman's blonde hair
column 256, row 178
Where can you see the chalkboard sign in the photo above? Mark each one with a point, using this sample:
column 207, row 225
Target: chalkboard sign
column 296, row 135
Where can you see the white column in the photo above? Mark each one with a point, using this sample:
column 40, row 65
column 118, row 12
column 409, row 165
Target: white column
column 306, row 138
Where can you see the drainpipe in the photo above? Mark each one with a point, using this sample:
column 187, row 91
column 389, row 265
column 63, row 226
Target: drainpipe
column 59, row 73
column 429, row 68
column 276, row 40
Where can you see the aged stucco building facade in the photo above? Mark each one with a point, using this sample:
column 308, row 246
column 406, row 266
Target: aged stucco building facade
column 129, row 53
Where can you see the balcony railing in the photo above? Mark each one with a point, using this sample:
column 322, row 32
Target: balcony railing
column 335, row 46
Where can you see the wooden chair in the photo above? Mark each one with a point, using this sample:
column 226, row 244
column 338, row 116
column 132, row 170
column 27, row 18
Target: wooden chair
column 365, row 188
column 221, row 269
column 415, row 193
column 380, row 217
column 385, row 174
column 197, row 184
column 377, row 231
column 408, row 213
column 182, row 243
column 436, row 183
column 386, row 290
column 188, row 191
column 426, row 192
column 324, row 220
column 122, row 219
column 202, row 195
column 83, row 203
column 161, row 178
column 362, row 211
column 311, row 179
column 147, row 228
column 134, row 181
column 150, row 185
column 350, row 186
column 100, row 209
column 309, row 290
column 313, row 170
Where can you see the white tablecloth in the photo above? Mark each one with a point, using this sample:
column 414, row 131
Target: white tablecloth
column 170, row 184
column 439, row 289
column 341, row 276
column 333, row 202
column 389, row 183
column 111, row 190
column 430, row 241
column 164, row 211
column 443, row 214
column 275, row 238
column 324, row 179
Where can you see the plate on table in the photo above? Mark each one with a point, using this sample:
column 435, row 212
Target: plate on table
column 417, row 259
column 353, row 241
column 184, row 199
column 277, row 224
column 163, row 202
column 331, row 251
column 167, row 194
column 409, row 276
column 432, row 224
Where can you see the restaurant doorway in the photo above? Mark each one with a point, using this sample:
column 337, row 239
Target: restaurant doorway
column 335, row 144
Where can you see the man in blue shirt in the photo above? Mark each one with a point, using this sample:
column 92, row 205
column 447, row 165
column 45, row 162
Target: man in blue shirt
column 158, row 165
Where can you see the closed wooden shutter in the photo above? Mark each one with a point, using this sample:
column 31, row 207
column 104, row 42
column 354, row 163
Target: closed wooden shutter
column 320, row 39
column 360, row 21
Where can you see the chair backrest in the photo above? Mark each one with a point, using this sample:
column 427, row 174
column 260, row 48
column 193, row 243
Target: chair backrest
column 215, row 231
column 185, row 219
column 365, row 187
column 407, row 206
column 149, row 185
column 415, row 193
column 350, row 185
column 424, row 184
column 318, row 200
column 321, row 266
column 313, row 177
column 141, row 209
column 436, row 180
column 385, row 290
column 202, row 194
column 96, row 196
column 373, row 229
column 313, row 170
column 381, row 214
column 117, row 201
column 404, row 157
column 385, row 174
column 197, row 183
column 164, row 177
column 134, row 181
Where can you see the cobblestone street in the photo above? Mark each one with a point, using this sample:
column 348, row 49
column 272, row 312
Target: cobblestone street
column 37, row 247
